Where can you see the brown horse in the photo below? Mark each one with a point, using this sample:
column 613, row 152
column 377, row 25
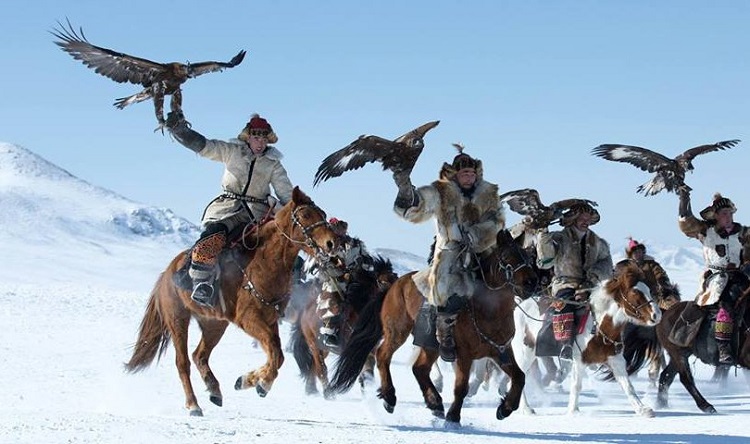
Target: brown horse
column 255, row 286
column 642, row 343
column 484, row 328
column 309, row 351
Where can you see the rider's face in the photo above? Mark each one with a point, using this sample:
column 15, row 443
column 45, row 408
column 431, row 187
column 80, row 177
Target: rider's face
column 466, row 177
column 725, row 218
column 258, row 144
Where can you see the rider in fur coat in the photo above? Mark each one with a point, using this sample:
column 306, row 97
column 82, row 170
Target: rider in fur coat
column 468, row 216
column 580, row 259
column 656, row 278
column 725, row 250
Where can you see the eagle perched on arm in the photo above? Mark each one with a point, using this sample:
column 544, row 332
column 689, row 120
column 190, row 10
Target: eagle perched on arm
column 158, row 79
column 527, row 202
column 397, row 155
column 670, row 173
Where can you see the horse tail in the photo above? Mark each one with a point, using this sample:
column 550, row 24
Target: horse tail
column 153, row 335
column 301, row 351
column 640, row 347
column 367, row 332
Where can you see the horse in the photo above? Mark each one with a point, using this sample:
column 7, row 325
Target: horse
column 613, row 303
column 484, row 328
column 702, row 346
column 254, row 290
column 309, row 351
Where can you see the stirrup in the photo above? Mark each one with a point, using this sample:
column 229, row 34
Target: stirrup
column 203, row 294
column 566, row 352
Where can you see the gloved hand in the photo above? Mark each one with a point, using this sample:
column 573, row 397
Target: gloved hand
column 174, row 119
column 407, row 196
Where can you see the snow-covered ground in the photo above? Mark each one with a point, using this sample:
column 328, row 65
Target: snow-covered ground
column 79, row 266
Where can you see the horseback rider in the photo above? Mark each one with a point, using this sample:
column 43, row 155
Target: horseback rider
column 469, row 215
column 656, row 278
column 251, row 168
column 335, row 277
column 725, row 277
column 580, row 259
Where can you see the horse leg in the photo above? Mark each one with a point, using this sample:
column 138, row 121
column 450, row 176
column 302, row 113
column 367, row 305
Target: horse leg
column 178, row 329
column 319, row 369
column 665, row 380
column 213, row 331
column 462, row 369
column 421, row 370
column 655, row 367
column 515, row 394
column 620, row 373
column 392, row 340
column 368, row 372
column 686, row 378
column 263, row 377
column 526, row 359
column 575, row 384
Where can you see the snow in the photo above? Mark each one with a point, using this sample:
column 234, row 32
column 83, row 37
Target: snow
column 80, row 263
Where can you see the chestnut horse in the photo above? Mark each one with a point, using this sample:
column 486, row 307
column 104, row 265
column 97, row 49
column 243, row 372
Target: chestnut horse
column 255, row 286
column 309, row 350
column 642, row 345
column 484, row 328
column 613, row 304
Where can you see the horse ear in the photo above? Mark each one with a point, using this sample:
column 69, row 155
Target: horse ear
column 299, row 197
column 504, row 237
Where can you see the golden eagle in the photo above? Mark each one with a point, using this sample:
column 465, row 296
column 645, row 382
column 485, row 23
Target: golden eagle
column 527, row 202
column 158, row 79
column 397, row 155
column 670, row 173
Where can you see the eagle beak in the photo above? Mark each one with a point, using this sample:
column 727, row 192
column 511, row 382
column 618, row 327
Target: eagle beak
column 418, row 132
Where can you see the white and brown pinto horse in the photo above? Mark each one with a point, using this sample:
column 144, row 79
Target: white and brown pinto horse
column 613, row 304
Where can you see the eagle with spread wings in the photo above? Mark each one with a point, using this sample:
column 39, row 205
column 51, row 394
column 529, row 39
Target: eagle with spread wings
column 399, row 155
column 158, row 79
column 670, row 173
column 527, row 202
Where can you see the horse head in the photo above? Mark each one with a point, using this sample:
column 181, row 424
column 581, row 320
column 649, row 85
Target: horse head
column 384, row 273
column 633, row 296
column 509, row 264
column 304, row 223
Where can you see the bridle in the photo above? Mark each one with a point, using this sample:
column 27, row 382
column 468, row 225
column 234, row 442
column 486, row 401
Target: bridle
column 507, row 268
column 308, row 241
column 636, row 309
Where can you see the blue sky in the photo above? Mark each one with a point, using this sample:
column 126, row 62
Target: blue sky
column 530, row 87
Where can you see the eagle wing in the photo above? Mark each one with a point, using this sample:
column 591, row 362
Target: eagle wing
column 117, row 66
column 643, row 158
column 197, row 69
column 395, row 155
column 364, row 150
column 527, row 202
column 702, row 149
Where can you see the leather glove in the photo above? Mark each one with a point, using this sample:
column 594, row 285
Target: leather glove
column 407, row 196
column 180, row 130
column 684, row 209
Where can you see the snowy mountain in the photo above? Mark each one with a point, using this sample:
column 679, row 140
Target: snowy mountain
column 55, row 218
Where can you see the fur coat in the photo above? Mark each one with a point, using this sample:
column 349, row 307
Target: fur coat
column 464, row 225
column 720, row 252
column 561, row 250
column 267, row 172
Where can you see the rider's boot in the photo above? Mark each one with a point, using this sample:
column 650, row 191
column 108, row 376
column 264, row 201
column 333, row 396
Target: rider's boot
column 723, row 333
column 204, row 256
column 725, row 353
column 562, row 326
column 445, row 323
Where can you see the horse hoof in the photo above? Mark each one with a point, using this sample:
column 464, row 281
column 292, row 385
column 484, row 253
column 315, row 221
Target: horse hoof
column 438, row 413
column 216, row 400
column 709, row 409
column 452, row 425
column 261, row 391
column 647, row 412
column 238, row 384
column 196, row 412
column 502, row 411
column 388, row 407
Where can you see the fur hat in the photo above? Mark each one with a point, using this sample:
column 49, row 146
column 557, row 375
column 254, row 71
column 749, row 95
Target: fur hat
column 461, row 161
column 632, row 246
column 259, row 125
column 568, row 218
column 719, row 202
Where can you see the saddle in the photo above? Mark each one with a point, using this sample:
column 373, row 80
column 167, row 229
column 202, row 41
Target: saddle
column 546, row 344
column 181, row 277
column 425, row 327
column 687, row 325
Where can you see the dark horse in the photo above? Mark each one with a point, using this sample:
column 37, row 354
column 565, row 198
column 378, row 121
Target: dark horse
column 255, row 287
column 641, row 343
column 307, row 347
column 483, row 329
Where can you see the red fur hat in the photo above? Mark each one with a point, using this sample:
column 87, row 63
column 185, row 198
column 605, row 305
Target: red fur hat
column 257, row 124
column 632, row 246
